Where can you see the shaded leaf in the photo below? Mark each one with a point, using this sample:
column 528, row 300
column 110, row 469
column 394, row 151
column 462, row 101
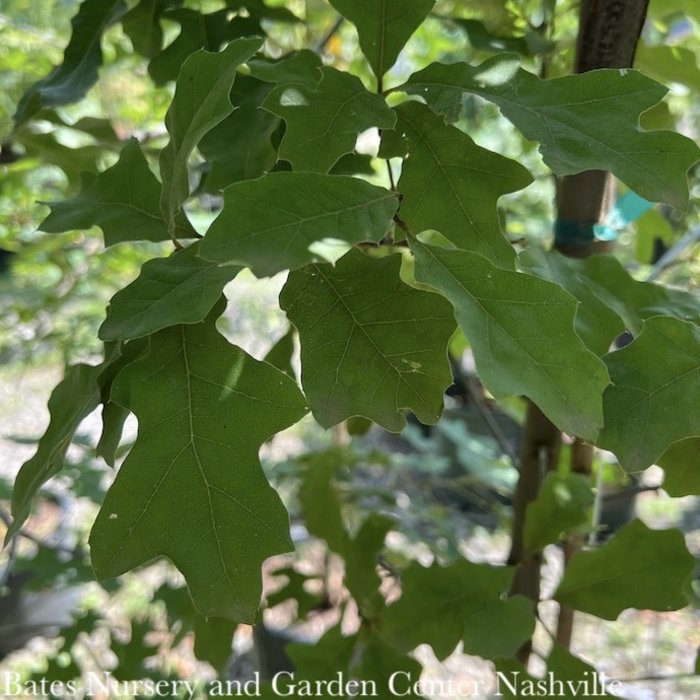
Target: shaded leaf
column 295, row 590
column 441, row 605
column 562, row 503
column 199, row 31
column 200, row 102
column 204, row 408
column 393, row 673
column 75, row 397
column 596, row 323
column 73, row 161
column 681, row 465
column 179, row 289
column 281, row 353
column 521, row 330
column 655, row 391
column 632, row 300
column 451, row 185
column 240, row 147
column 324, row 660
column 384, row 27
column 669, row 64
column 321, row 504
column 480, row 37
column 361, row 556
column 81, row 60
column 637, row 568
column 323, row 122
column 123, row 201
column 574, row 672
column 302, row 67
column 271, row 224
column 564, row 116
column 213, row 637
column 370, row 344
column 142, row 25
column 485, row 634
column 131, row 655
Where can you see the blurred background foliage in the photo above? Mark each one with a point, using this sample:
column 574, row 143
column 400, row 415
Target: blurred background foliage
column 54, row 289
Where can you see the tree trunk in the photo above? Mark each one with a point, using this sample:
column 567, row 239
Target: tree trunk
column 607, row 38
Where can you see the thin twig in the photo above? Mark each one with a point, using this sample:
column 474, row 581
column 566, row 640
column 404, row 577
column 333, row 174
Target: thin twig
column 490, row 421
column 7, row 519
column 321, row 46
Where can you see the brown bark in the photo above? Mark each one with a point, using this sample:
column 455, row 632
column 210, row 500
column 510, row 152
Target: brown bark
column 608, row 34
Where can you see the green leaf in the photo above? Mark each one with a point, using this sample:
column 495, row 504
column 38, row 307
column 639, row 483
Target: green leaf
column 281, row 353
column 131, row 655
column 142, row 25
column 451, row 185
column 361, row 553
column 370, row 344
column 73, row 161
column 113, row 419
column 655, row 391
column 82, row 58
column 562, row 503
column 271, row 224
column 393, row 673
column 199, row 31
column 442, row 605
column 113, row 415
column 582, row 122
column 123, row 201
column 530, row 44
column 681, row 465
column 596, row 323
column 637, row 568
column 75, row 397
column 295, row 590
column 301, row 67
column 521, row 330
column 322, row 661
column 204, row 409
column 514, row 620
column 630, row 299
column 179, row 289
column 201, row 101
column 575, row 672
column 323, row 122
column 213, row 636
column 669, row 64
column 384, row 27
column 240, row 147
column 321, row 504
